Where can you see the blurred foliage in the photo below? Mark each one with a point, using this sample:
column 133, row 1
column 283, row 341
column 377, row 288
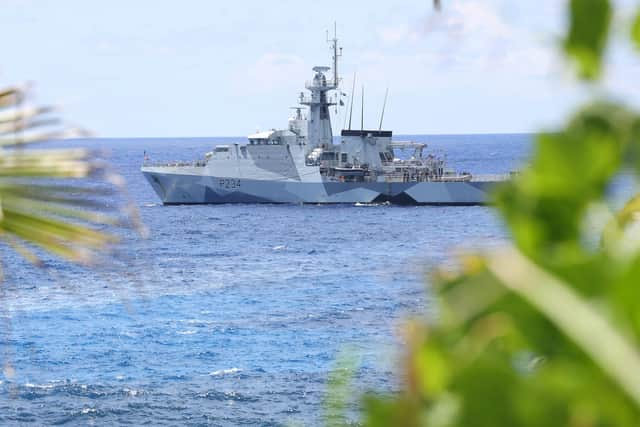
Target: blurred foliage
column 339, row 389
column 635, row 30
column 588, row 34
column 59, row 200
column 546, row 331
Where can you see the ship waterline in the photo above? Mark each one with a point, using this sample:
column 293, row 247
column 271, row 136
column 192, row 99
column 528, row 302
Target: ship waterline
column 184, row 188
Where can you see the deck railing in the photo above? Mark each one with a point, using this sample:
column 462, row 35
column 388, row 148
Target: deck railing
column 492, row 177
column 330, row 84
column 193, row 164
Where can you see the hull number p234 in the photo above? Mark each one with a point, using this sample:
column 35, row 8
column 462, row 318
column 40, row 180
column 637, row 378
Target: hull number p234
column 229, row 184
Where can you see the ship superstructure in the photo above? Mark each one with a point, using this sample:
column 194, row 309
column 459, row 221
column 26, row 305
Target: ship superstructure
column 301, row 164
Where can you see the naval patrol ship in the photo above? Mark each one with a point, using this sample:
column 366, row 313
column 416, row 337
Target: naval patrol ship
column 302, row 164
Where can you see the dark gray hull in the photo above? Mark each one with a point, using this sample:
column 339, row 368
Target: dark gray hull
column 175, row 188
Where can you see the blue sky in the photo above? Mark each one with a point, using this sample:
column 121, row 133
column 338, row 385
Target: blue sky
column 213, row 68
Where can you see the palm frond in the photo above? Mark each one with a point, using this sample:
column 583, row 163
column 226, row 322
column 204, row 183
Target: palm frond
column 11, row 127
column 59, row 200
column 12, row 115
column 9, row 96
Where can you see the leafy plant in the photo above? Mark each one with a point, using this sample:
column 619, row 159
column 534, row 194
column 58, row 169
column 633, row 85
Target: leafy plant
column 546, row 331
column 46, row 199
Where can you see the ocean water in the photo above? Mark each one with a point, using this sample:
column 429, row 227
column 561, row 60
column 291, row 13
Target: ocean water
column 232, row 314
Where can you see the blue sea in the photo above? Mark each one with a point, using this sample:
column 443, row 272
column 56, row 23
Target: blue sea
column 230, row 314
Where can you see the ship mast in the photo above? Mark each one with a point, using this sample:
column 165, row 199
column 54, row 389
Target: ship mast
column 319, row 123
column 337, row 53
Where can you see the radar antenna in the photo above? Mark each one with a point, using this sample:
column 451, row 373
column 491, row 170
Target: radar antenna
column 298, row 112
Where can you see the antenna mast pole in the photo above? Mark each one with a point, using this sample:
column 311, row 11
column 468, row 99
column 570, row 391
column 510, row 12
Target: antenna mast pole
column 337, row 53
column 353, row 95
column 384, row 104
column 362, row 111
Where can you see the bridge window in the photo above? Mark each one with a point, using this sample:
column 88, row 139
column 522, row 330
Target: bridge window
column 329, row 155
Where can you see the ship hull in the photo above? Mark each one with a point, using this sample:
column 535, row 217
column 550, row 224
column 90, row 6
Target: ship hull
column 176, row 189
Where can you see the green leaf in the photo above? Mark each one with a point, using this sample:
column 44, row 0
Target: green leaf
column 581, row 322
column 588, row 34
column 635, row 31
column 546, row 204
column 628, row 214
column 338, row 389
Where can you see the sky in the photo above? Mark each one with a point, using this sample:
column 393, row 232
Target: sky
column 213, row 68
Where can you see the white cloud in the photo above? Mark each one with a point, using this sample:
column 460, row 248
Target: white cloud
column 471, row 36
column 462, row 20
column 471, row 19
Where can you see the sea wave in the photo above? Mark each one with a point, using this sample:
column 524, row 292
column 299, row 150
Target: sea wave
column 225, row 372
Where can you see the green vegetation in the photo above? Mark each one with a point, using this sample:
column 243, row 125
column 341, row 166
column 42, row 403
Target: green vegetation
column 545, row 332
column 46, row 201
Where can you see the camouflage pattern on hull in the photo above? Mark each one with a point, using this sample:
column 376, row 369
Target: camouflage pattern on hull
column 200, row 189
